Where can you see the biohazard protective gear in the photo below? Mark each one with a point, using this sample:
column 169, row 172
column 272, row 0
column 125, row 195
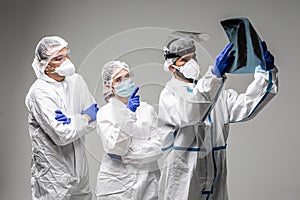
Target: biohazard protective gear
column 124, row 89
column 59, row 168
column 190, row 69
column 62, row 117
column 131, row 142
column 195, row 153
column 91, row 111
column 269, row 58
column 45, row 50
column 176, row 48
column 65, row 69
column 223, row 61
column 59, row 164
column 109, row 70
column 134, row 100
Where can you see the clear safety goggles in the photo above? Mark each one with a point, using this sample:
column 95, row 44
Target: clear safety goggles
column 59, row 58
column 120, row 79
column 187, row 58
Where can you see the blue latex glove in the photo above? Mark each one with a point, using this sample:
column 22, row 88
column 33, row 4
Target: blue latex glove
column 134, row 101
column 91, row 111
column 62, row 117
column 223, row 61
column 114, row 156
column 269, row 58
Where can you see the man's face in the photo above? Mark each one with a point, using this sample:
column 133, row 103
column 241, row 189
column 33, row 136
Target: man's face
column 56, row 61
column 59, row 58
column 184, row 59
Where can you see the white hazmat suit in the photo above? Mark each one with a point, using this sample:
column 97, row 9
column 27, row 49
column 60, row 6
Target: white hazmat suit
column 131, row 141
column 59, row 168
column 134, row 137
column 195, row 165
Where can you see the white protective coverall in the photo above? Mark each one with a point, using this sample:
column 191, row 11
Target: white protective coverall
column 59, row 168
column 133, row 138
column 195, row 165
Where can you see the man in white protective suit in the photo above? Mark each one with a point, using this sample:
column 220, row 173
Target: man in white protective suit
column 194, row 144
column 61, row 111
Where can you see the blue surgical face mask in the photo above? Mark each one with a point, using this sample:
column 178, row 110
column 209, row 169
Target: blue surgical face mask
column 125, row 88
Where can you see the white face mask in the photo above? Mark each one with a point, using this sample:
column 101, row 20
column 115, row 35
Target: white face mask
column 190, row 69
column 65, row 69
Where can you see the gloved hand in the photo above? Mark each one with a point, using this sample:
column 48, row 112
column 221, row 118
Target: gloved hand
column 62, row 117
column 223, row 61
column 91, row 111
column 269, row 58
column 133, row 101
column 114, row 156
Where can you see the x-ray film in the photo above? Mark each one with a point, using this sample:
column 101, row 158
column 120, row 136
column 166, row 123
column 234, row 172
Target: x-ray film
column 246, row 42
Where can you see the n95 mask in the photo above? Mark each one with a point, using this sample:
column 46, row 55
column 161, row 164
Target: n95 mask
column 190, row 69
column 65, row 69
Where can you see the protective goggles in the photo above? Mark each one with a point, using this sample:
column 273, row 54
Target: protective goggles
column 59, row 58
column 119, row 79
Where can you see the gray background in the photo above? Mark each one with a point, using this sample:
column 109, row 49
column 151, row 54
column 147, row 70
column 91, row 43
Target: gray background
column 262, row 153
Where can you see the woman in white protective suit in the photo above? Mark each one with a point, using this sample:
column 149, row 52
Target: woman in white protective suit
column 61, row 111
column 195, row 165
column 128, row 130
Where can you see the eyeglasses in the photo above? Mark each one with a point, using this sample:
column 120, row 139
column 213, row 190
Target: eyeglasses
column 59, row 58
column 123, row 78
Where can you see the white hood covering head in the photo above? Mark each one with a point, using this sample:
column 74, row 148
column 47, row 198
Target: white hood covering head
column 45, row 50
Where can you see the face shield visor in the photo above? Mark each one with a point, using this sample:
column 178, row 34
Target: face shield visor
column 182, row 44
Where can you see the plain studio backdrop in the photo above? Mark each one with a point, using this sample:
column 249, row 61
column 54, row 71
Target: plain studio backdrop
column 263, row 159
